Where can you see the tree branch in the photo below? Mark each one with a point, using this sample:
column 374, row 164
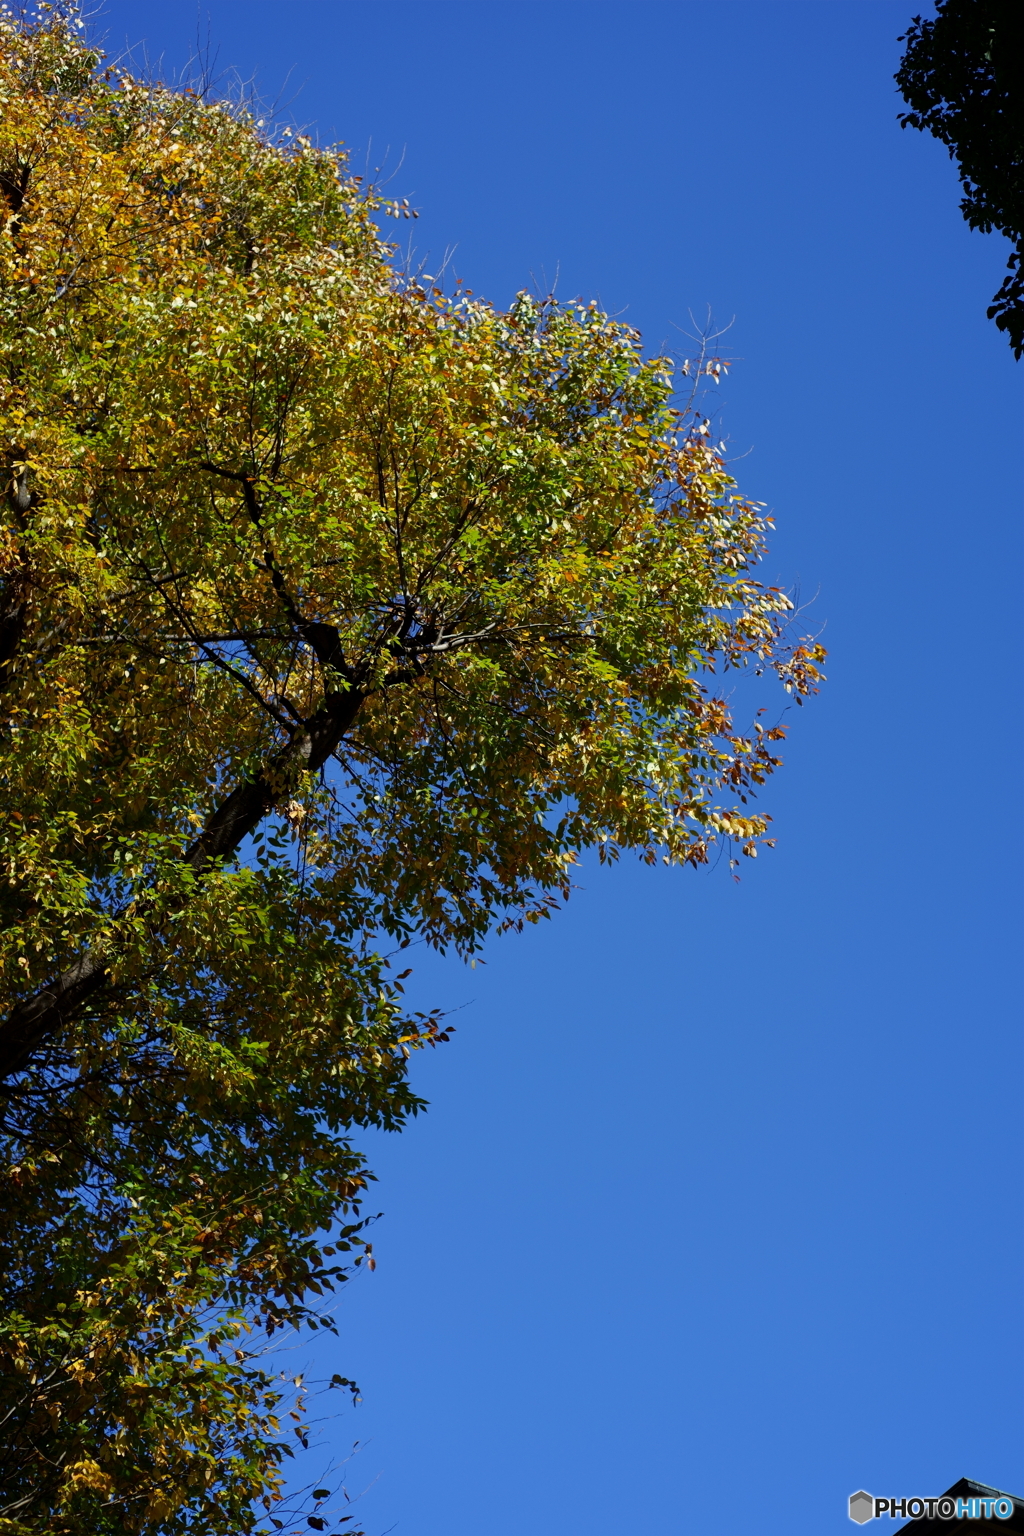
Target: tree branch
column 35, row 1019
column 322, row 639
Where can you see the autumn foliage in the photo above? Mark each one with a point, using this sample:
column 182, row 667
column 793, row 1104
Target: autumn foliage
column 336, row 609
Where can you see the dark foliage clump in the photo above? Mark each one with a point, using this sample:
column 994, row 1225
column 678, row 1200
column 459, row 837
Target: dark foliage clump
column 963, row 78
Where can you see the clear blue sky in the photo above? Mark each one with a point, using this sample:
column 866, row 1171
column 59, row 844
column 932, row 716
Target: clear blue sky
column 716, row 1216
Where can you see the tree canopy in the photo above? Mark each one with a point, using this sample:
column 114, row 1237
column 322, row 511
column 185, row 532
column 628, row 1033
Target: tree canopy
column 337, row 609
column 963, row 80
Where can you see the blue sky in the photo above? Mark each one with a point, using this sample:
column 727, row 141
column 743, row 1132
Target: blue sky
column 715, row 1217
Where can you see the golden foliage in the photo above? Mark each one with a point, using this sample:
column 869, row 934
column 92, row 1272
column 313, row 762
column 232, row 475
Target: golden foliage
column 331, row 605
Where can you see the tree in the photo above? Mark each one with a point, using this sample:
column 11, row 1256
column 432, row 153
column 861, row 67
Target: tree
column 336, row 610
column 961, row 77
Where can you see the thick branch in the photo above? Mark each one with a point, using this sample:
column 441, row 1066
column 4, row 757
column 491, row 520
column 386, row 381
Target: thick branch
column 14, row 606
column 13, row 614
column 240, row 814
column 34, row 1020
column 13, row 186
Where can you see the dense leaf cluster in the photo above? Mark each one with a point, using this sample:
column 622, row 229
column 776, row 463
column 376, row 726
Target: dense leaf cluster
column 334, row 610
column 962, row 77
